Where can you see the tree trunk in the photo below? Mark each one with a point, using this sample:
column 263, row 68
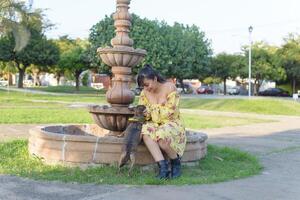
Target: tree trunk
column 254, row 87
column 225, row 91
column 10, row 81
column 77, row 75
column 35, row 79
column 21, row 77
column 294, row 85
column 182, row 85
column 57, row 79
column 258, row 86
column 39, row 82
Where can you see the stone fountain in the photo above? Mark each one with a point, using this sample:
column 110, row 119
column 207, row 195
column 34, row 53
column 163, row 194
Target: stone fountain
column 99, row 143
column 121, row 57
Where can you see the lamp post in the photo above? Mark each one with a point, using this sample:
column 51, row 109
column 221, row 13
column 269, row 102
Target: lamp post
column 250, row 29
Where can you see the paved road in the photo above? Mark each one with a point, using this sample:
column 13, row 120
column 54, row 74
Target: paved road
column 277, row 144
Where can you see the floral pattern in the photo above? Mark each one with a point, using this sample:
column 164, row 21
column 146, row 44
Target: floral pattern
column 163, row 121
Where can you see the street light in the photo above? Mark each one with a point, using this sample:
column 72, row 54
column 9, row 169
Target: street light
column 250, row 29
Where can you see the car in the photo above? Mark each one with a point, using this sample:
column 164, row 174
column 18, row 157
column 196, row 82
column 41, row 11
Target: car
column 278, row 92
column 233, row 91
column 3, row 82
column 237, row 90
column 204, row 90
column 188, row 88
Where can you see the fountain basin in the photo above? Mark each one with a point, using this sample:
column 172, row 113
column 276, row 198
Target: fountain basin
column 121, row 56
column 82, row 145
column 114, row 119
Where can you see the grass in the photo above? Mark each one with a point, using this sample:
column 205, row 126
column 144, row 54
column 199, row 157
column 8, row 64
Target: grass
column 265, row 106
column 27, row 108
column 68, row 89
column 16, row 98
column 44, row 115
column 268, row 106
column 61, row 115
column 203, row 122
column 220, row 164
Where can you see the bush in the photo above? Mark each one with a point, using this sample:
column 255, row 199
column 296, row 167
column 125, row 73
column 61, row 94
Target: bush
column 85, row 79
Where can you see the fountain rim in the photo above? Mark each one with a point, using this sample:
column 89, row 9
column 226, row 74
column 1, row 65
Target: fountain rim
column 122, row 50
column 110, row 110
column 192, row 135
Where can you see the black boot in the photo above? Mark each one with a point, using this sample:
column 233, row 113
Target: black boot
column 175, row 167
column 163, row 169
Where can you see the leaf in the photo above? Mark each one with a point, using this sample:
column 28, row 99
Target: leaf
column 219, row 158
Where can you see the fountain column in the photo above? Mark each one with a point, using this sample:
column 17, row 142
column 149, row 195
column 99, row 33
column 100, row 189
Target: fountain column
column 121, row 57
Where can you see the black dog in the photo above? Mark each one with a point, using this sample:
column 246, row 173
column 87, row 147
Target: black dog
column 132, row 137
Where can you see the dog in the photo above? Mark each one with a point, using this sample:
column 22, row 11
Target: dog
column 132, row 138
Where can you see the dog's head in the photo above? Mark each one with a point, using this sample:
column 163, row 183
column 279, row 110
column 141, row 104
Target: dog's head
column 139, row 111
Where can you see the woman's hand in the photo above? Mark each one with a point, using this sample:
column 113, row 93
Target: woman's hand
column 167, row 141
column 145, row 112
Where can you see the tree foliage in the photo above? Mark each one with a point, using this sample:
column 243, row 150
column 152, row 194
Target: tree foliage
column 176, row 51
column 39, row 51
column 74, row 57
column 264, row 65
column 289, row 58
column 226, row 66
column 15, row 17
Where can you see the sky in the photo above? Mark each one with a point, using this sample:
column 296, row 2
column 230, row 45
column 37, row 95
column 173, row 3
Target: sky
column 225, row 23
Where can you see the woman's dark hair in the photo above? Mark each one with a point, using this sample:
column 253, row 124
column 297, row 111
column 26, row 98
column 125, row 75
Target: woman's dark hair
column 149, row 73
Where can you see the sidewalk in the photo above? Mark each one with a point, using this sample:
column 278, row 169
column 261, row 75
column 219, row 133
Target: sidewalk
column 277, row 144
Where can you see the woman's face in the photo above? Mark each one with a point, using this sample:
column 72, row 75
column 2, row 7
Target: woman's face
column 150, row 85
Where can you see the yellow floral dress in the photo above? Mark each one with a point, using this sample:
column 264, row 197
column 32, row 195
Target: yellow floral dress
column 163, row 121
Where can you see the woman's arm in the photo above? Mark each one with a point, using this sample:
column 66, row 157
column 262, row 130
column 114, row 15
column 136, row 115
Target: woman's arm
column 143, row 101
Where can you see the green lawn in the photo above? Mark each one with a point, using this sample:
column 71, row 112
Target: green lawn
column 220, row 164
column 20, row 108
column 19, row 97
column 260, row 106
column 16, row 107
column 202, row 122
column 69, row 89
column 53, row 114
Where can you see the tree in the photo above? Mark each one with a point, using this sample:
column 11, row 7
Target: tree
column 100, row 36
column 64, row 44
column 189, row 52
column 76, row 59
column 15, row 16
column 39, row 51
column 22, row 40
column 6, row 70
column 264, row 65
column 289, row 58
column 226, row 66
column 176, row 51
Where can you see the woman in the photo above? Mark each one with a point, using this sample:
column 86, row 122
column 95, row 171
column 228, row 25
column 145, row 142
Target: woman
column 163, row 132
